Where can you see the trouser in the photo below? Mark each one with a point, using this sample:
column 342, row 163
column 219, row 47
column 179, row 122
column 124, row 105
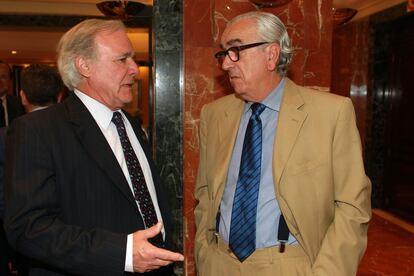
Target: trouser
column 263, row 262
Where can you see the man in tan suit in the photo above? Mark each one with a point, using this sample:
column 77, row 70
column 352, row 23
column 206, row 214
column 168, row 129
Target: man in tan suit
column 311, row 203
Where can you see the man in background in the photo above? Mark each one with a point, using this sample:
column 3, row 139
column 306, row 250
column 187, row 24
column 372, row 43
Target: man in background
column 281, row 183
column 83, row 195
column 10, row 107
column 40, row 87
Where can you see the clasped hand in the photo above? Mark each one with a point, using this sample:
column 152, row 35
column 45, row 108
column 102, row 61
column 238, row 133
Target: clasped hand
column 147, row 257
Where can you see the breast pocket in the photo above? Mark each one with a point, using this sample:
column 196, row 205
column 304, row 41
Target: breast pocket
column 304, row 168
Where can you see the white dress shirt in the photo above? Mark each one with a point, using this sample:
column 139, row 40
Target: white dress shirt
column 103, row 116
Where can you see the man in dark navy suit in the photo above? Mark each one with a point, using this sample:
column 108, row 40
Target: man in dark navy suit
column 83, row 195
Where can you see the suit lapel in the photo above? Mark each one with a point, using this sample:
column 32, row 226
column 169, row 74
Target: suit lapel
column 139, row 134
column 289, row 124
column 162, row 195
column 95, row 144
column 227, row 125
column 144, row 145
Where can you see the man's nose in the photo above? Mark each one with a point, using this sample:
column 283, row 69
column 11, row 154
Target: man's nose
column 133, row 68
column 227, row 63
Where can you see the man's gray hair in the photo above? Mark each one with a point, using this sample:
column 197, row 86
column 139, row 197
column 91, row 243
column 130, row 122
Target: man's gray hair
column 271, row 29
column 80, row 41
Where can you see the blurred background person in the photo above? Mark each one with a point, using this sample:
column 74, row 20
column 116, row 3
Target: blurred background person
column 10, row 106
column 41, row 87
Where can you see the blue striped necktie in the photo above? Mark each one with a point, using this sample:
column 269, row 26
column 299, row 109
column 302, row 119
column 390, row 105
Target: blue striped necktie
column 242, row 239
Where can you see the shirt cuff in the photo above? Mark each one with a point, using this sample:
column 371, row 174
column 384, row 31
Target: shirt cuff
column 129, row 266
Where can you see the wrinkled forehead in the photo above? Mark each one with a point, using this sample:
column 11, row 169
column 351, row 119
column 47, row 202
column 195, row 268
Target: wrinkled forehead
column 240, row 32
column 106, row 36
column 115, row 41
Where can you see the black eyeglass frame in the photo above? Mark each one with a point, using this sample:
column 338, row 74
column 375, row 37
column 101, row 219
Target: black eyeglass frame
column 221, row 55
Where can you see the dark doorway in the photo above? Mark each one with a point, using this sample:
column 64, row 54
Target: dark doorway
column 399, row 161
column 392, row 133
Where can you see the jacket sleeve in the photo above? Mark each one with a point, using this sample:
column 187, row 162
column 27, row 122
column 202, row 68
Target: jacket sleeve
column 33, row 220
column 346, row 238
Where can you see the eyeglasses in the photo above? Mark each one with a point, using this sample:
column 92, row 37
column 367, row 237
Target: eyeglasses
column 234, row 52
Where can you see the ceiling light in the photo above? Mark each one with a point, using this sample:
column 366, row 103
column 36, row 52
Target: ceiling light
column 120, row 9
column 269, row 3
column 343, row 15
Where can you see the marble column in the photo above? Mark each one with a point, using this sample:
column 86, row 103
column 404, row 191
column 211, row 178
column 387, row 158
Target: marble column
column 167, row 103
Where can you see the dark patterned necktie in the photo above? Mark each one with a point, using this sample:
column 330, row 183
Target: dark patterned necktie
column 242, row 240
column 141, row 193
column 2, row 115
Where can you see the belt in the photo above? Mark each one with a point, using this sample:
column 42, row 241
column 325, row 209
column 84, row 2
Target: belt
column 268, row 253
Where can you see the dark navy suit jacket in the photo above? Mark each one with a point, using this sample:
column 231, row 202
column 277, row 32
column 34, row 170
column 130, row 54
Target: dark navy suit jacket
column 69, row 206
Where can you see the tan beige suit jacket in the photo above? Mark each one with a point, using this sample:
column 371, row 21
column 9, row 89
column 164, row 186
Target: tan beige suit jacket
column 318, row 172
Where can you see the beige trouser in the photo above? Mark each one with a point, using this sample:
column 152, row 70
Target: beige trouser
column 263, row 262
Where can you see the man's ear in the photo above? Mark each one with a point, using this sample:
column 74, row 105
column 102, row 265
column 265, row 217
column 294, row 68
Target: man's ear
column 273, row 54
column 82, row 65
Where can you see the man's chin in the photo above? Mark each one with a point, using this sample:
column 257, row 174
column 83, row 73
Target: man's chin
column 125, row 90
column 126, row 95
column 127, row 100
column 240, row 95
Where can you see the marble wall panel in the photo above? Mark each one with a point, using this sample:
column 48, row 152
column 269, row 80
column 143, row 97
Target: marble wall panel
column 350, row 67
column 198, row 90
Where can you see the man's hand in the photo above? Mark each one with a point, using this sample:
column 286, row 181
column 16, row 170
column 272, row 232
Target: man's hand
column 147, row 257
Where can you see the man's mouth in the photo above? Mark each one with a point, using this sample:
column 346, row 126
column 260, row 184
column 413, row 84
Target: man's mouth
column 128, row 84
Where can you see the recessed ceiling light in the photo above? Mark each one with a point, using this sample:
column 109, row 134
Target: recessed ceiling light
column 14, row 52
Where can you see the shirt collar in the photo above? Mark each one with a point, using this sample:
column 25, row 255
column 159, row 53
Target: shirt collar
column 273, row 100
column 37, row 108
column 100, row 112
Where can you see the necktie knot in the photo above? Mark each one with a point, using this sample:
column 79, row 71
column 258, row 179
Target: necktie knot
column 257, row 109
column 117, row 119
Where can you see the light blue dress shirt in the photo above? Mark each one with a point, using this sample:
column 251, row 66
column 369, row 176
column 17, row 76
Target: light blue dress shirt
column 268, row 211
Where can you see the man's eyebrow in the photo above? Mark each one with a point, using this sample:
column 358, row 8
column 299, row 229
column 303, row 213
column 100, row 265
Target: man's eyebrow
column 231, row 42
column 125, row 55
